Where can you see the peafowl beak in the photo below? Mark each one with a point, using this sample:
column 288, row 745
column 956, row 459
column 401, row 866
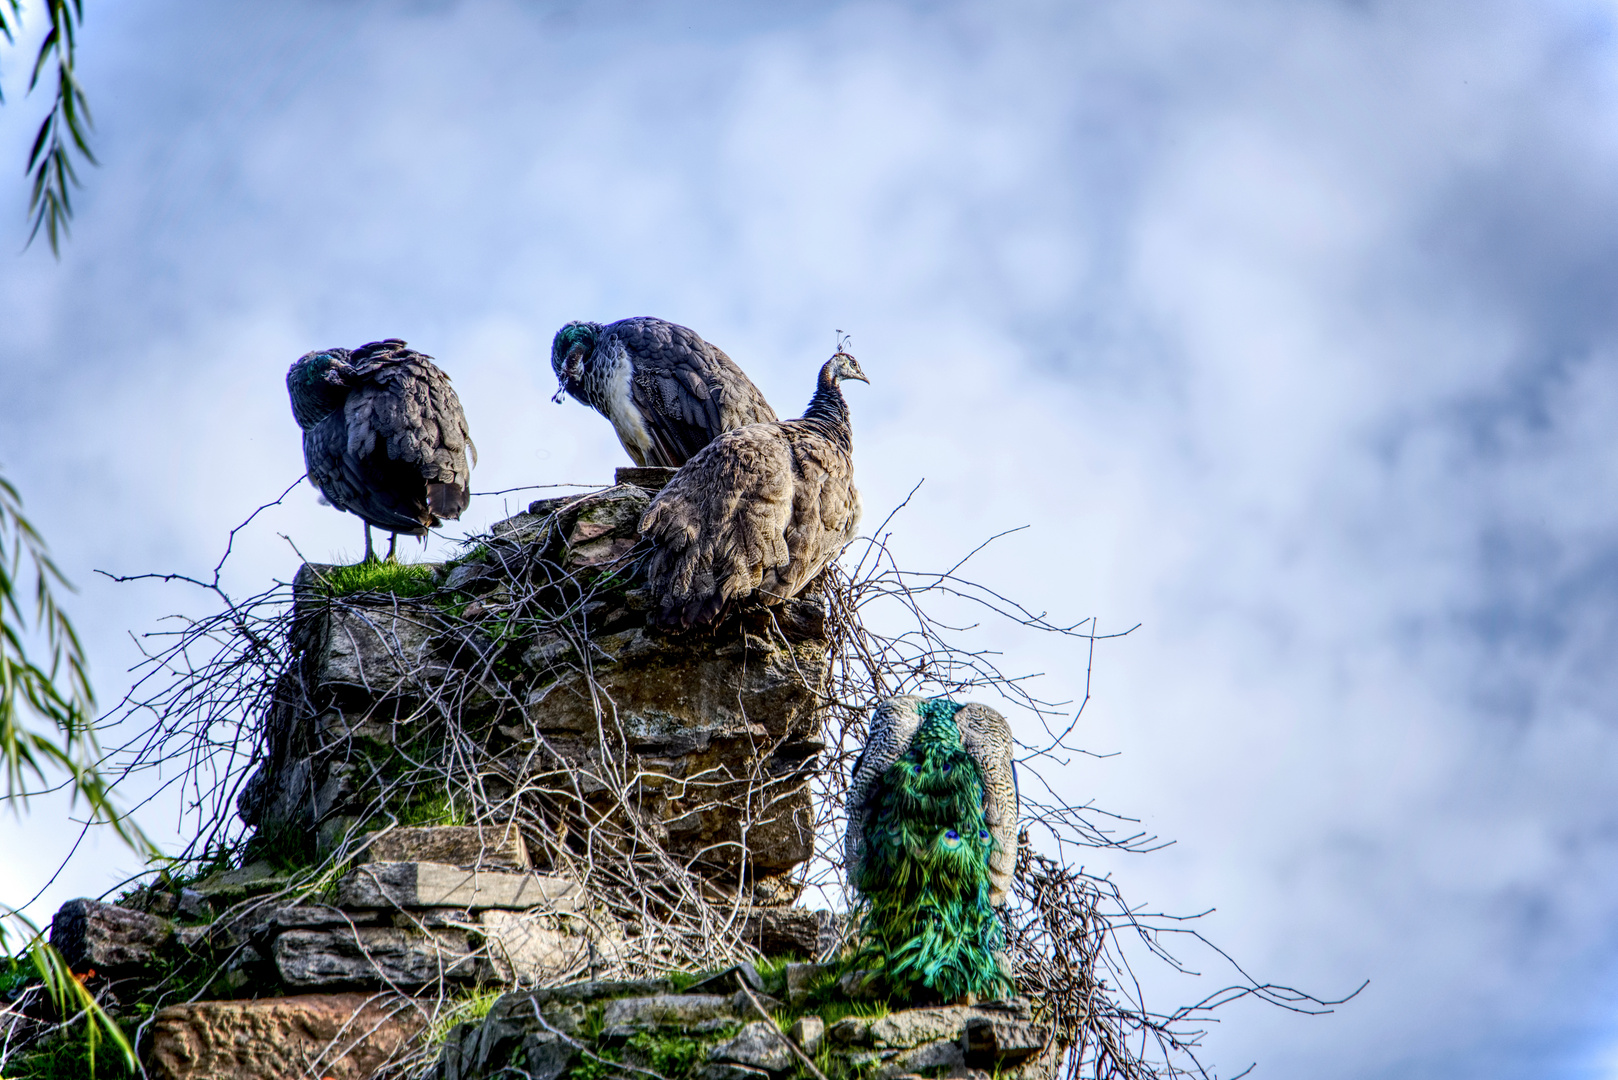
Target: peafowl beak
column 572, row 372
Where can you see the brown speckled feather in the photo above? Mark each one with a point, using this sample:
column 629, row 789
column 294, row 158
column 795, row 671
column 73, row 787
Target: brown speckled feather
column 763, row 508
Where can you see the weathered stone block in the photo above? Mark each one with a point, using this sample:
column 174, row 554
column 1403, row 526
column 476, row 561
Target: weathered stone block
column 605, row 526
column 547, row 1056
column 722, row 732
column 335, row 1036
column 901, row 1030
column 724, row 982
column 537, row 1015
column 730, row 1070
column 757, row 1045
column 801, row 979
column 382, row 650
column 686, row 1012
column 809, row 1032
column 369, row 955
column 939, row 1054
column 774, row 931
column 469, row 846
column 111, row 939
column 426, row 884
column 524, row 947
column 1003, row 1040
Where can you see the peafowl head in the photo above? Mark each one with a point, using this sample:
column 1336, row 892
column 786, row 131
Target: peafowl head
column 318, row 385
column 844, row 366
column 572, row 344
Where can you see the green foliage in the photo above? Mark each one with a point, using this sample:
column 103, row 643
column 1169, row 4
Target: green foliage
column 928, row 928
column 63, row 1057
column 45, row 725
column 65, row 128
column 832, row 1009
column 281, row 844
column 74, row 1051
column 45, row 703
column 470, row 1007
column 14, row 976
column 431, row 808
column 379, row 576
column 671, row 1056
column 595, row 1068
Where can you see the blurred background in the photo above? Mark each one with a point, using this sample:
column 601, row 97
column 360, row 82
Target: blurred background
column 1288, row 327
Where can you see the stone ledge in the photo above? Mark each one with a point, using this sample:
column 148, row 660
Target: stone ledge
column 111, row 939
column 373, row 954
column 694, row 1013
column 469, row 846
column 335, row 1036
column 436, row 885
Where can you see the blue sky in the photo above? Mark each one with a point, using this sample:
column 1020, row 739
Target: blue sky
column 1287, row 326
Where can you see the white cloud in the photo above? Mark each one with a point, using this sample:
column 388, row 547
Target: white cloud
column 1286, row 325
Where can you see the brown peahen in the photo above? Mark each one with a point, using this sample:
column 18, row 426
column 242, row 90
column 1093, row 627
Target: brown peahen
column 761, row 509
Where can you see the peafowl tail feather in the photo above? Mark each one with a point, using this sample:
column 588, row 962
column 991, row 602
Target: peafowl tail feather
column 927, row 925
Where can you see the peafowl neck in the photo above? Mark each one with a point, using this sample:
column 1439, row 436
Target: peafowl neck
column 828, row 411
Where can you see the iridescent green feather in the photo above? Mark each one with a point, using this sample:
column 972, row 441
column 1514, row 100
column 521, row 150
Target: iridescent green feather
column 928, row 927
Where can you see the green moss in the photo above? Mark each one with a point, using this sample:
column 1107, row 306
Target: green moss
column 400, row 579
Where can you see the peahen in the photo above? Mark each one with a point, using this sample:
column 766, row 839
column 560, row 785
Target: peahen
column 384, row 436
column 931, row 847
column 760, row 509
column 667, row 392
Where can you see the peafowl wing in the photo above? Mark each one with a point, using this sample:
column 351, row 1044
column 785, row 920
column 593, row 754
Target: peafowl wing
column 718, row 525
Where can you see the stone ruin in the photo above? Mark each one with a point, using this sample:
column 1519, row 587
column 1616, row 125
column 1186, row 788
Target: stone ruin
column 605, row 783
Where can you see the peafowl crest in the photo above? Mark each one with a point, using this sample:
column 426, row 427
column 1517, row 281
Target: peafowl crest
column 930, row 847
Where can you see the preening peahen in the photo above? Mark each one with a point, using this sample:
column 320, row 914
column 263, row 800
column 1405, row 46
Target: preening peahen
column 667, row 392
column 760, row 509
column 384, row 436
column 931, row 847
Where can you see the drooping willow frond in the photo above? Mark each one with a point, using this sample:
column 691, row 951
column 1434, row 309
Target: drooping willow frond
column 47, row 733
column 65, row 130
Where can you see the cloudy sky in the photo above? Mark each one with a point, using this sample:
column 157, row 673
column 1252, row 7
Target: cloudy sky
column 1288, row 326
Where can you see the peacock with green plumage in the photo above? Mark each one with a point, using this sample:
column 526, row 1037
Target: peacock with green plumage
column 931, row 846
